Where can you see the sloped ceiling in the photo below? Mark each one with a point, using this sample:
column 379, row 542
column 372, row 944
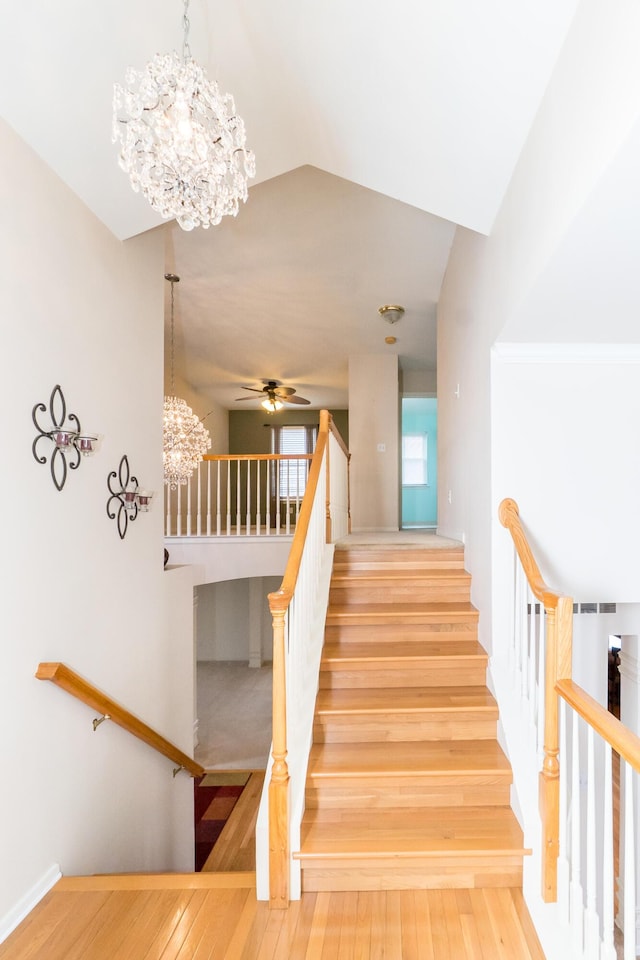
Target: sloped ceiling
column 392, row 117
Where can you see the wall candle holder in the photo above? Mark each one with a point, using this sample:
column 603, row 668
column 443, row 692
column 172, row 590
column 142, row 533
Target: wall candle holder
column 126, row 496
column 68, row 439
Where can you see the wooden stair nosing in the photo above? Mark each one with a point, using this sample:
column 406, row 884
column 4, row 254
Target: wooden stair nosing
column 388, row 632
column 372, row 702
column 407, row 652
column 460, row 758
column 453, row 576
column 425, row 612
column 414, row 832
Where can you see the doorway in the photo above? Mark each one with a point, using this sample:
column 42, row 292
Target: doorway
column 419, row 468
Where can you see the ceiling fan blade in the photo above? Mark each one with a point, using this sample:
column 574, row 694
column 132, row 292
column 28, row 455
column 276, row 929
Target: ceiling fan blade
column 284, row 391
column 255, row 389
column 295, row 400
column 239, row 399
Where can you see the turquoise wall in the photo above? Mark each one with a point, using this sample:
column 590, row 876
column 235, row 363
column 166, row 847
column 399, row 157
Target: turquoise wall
column 420, row 504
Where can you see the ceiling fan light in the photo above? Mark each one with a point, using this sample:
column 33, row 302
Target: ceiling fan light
column 271, row 404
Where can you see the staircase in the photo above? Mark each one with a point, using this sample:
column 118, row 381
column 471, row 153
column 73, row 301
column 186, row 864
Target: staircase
column 407, row 786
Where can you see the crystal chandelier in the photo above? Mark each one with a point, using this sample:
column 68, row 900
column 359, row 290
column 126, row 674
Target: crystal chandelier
column 181, row 140
column 184, row 439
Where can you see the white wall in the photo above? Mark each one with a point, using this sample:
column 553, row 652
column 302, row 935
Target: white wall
column 374, row 423
column 566, row 448
column 81, row 309
column 230, row 558
column 215, row 418
column 225, row 622
column 589, row 110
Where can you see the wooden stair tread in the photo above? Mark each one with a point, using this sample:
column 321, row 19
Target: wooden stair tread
column 410, row 758
column 453, row 575
column 412, row 832
column 410, row 650
column 436, row 610
column 401, row 549
column 399, row 699
column 387, row 631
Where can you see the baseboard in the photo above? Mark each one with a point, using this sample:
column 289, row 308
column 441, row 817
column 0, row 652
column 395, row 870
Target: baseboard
column 31, row 898
column 374, row 529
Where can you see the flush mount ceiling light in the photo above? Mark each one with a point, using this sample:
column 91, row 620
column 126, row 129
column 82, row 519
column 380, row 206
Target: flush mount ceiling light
column 391, row 312
column 181, row 140
column 184, row 439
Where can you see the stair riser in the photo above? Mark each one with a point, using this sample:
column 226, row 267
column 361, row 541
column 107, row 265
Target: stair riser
column 358, row 567
column 356, row 633
column 392, row 558
column 337, row 676
column 407, row 592
column 369, row 794
column 391, row 728
column 420, row 874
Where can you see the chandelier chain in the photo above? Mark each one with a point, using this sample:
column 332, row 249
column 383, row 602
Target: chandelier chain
column 173, row 390
column 186, row 49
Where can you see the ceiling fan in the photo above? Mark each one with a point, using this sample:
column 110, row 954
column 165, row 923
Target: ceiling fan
column 275, row 395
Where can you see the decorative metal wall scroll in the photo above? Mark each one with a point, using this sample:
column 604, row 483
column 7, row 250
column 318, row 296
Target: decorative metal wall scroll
column 126, row 497
column 70, row 444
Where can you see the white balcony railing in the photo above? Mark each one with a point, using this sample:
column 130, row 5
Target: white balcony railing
column 299, row 609
column 239, row 495
column 585, row 834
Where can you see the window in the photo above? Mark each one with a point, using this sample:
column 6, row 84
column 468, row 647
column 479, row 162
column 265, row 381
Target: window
column 414, row 460
column 293, row 473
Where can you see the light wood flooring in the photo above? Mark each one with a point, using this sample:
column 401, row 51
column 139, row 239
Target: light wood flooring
column 235, row 848
column 214, row 914
column 131, row 919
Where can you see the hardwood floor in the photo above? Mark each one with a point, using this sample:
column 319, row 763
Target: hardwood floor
column 235, row 848
column 422, row 710
column 138, row 921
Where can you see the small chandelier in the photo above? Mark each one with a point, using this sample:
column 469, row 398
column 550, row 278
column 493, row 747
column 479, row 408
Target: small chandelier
column 181, row 140
column 184, row 439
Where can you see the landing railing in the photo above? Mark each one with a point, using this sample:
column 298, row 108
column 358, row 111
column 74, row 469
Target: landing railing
column 588, row 843
column 70, row 681
column 239, row 495
column 298, row 609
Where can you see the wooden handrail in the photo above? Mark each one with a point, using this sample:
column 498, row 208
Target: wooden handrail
column 509, row 515
column 279, row 852
column 281, row 598
column 623, row 740
column 559, row 610
column 258, row 456
column 68, row 680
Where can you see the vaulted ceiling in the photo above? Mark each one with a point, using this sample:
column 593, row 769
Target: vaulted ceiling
column 377, row 129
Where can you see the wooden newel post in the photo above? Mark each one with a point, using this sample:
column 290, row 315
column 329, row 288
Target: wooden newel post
column 328, row 528
column 558, row 667
column 550, row 773
column 279, row 853
column 349, row 493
